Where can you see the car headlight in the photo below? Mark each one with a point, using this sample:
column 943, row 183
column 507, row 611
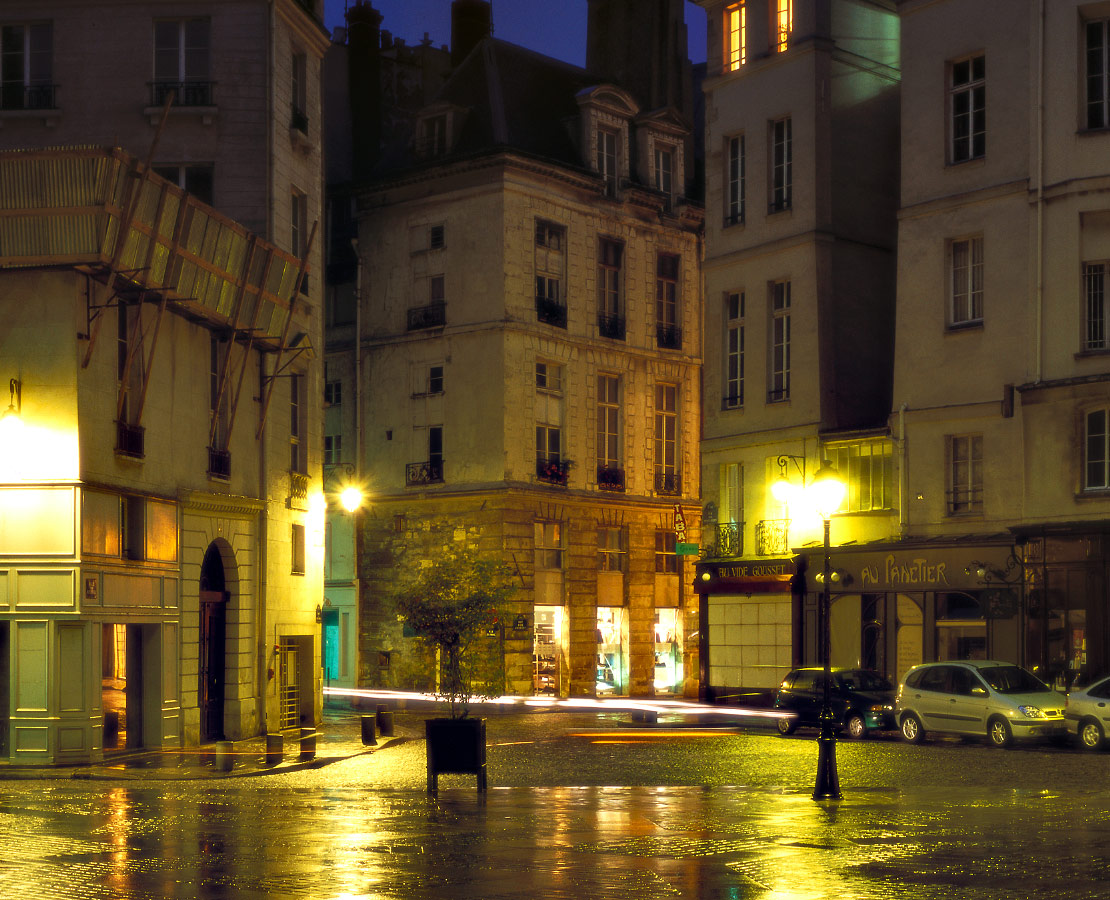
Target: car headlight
column 1031, row 712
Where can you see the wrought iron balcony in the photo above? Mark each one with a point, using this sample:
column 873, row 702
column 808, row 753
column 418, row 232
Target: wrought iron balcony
column 610, row 478
column 434, row 316
column 551, row 312
column 219, row 463
column 553, row 471
column 188, row 93
column 668, row 337
column 610, row 326
column 668, row 483
column 728, row 541
column 772, row 537
column 298, row 490
column 130, row 440
column 430, row 472
column 35, row 96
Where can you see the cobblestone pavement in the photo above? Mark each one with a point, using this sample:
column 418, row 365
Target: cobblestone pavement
column 180, row 831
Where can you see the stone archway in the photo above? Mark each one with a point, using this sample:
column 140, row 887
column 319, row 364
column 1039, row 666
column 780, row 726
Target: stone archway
column 216, row 577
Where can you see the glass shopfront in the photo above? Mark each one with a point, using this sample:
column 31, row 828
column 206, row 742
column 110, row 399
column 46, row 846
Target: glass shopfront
column 612, row 668
column 547, row 649
column 668, row 652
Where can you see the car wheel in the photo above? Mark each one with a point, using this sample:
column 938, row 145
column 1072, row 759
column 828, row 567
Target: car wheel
column 999, row 732
column 911, row 729
column 857, row 728
column 1090, row 735
column 786, row 725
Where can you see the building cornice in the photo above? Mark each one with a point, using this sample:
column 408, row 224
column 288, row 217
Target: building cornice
column 235, row 506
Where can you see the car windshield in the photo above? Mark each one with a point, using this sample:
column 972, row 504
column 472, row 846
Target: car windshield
column 860, row 680
column 1013, row 680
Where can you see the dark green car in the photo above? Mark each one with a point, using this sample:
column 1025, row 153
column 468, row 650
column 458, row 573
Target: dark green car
column 861, row 700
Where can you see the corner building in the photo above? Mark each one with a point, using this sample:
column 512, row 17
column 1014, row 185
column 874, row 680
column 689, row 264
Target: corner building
column 530, row 333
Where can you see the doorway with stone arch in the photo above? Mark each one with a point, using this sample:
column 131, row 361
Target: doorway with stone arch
column 215, row 596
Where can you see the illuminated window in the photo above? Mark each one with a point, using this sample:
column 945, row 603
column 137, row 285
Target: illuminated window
column 736, row 31
column 965, row 260
column 734, row 350
column 1094, row 290
column 867, row 467
column 784, row 23
column 1096, row 436
column 26, row 80
column 734, row 180
column 968, row 109
column 782, row 165
column 965, row 474
column 780, row 342
column 1098, row 73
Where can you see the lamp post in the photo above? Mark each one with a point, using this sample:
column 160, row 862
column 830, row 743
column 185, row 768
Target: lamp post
column 827, row 493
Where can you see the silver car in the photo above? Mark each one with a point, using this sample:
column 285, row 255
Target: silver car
column 1002, row 701
column 1088, row 714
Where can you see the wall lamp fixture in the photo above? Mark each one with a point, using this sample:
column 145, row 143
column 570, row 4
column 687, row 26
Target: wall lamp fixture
column 782, row 488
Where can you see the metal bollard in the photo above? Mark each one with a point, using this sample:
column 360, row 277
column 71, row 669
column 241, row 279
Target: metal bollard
column 225, row 757
column 385, row 723
column 308, row 744
column 275, row 749
column 369, row 731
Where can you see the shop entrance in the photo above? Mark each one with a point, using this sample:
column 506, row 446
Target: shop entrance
column 668, row 651
column 121, row 685
column 611, row 667
column 547, row 649
column 331, row 646
column 213, row 628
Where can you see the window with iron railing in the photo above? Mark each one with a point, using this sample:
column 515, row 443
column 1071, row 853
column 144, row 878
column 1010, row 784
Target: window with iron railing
column 772, row 537
column 26, row 80
column 726, row 540
column 182, row 51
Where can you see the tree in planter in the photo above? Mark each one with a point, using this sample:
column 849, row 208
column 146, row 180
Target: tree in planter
column 452, row 606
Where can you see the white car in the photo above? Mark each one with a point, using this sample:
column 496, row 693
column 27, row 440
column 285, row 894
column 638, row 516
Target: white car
column 1088, row 714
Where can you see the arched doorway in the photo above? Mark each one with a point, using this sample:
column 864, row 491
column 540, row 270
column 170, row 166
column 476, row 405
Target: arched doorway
column 213, row 628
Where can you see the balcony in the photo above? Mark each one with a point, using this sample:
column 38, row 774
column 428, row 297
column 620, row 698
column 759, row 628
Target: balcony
column 434, row 316
column 430, row 472
column 298, row 491
column 668, row 337
column 610, row 326
column 772, row 537
column 36, row 96
column 551, row 312
column 130, row 440
column 219, row 463
column 188, row 93
column 553, row 471
column 728, row 541
column 610, row 478
column 668, row 483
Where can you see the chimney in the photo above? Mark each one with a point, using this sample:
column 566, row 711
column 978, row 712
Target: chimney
column 364, row 74
column 471, row 20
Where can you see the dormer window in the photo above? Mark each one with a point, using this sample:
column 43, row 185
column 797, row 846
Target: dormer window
column 664, row 169
column 433, row 136
column 607, row 112
column 607, row 159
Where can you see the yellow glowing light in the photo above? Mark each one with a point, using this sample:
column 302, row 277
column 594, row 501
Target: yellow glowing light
column 783, row 491
column 737, row 28
column 784, row 23
column 351, row 498
column 827, row 491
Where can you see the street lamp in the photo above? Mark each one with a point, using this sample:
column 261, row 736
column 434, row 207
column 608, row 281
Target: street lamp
column 826, row 492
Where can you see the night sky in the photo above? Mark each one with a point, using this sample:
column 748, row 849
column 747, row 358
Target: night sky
column 554, row 28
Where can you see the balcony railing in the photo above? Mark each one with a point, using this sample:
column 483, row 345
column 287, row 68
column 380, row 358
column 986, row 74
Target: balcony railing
column 732, row 401
column 551, row 312
column 610, row 326
column 668, row 483
column 728, row 541
column 668, row 337
column 610, row 478
column 130, row 440
column 430, row 472
column 298, row 490
column 35, row 96
column 772, row 537
column 553, row 471
column 188, row 93
column 434, row 316
column 219, row 463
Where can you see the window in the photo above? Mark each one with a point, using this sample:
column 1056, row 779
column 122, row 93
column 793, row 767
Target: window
column 195, row 179
column 666, row 301
column 333, row 449
column 548, row 448
column 1096, row 436
column 784, row 23
column 27, row 66
column 736, row 36
column 437, row 239
column 298, row 218
column 612, row 550
column 610, row 318
column 549, row 377
column 666, row 439
column 1098, row 73
column 666, row 561
column 966, row 264
column 607, row 159
column 968, row 104
column 965, row 465
column 734, row 350
column 780, row 342
column 549, row 544
column 734, row 180
column 609, row 473
column 297, row 542
column 867, row 468
column 433, row 136
column 181, row 62
column 299, row 87
column 435, row 379
column 550, row 262
column 1094, row 288
column 782, row 165
column 436, row 290
column 297, row 455
column 550, row 465
column 333, row 393
column 664, row 169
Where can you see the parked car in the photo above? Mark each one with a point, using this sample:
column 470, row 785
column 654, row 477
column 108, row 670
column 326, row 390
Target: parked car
column 861, row 700
column 980, row 697
column 1088, row 713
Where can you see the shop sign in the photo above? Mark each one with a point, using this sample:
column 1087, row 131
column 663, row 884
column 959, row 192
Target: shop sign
column 686, row 549
column 759, row 576
column 895, row 571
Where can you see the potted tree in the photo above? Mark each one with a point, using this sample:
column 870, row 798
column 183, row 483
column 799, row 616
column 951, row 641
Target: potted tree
column 454, row 607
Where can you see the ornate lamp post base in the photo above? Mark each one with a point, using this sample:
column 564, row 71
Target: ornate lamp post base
column 828, row 781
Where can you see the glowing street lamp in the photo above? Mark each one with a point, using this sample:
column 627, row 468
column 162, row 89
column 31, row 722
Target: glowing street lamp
column 826, row 493
column 351, row 498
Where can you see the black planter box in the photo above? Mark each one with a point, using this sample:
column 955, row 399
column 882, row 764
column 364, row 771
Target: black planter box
column 456, row 746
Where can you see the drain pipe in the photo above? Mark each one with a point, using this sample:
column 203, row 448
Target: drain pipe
column 1038, row 326
column 903, row 477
